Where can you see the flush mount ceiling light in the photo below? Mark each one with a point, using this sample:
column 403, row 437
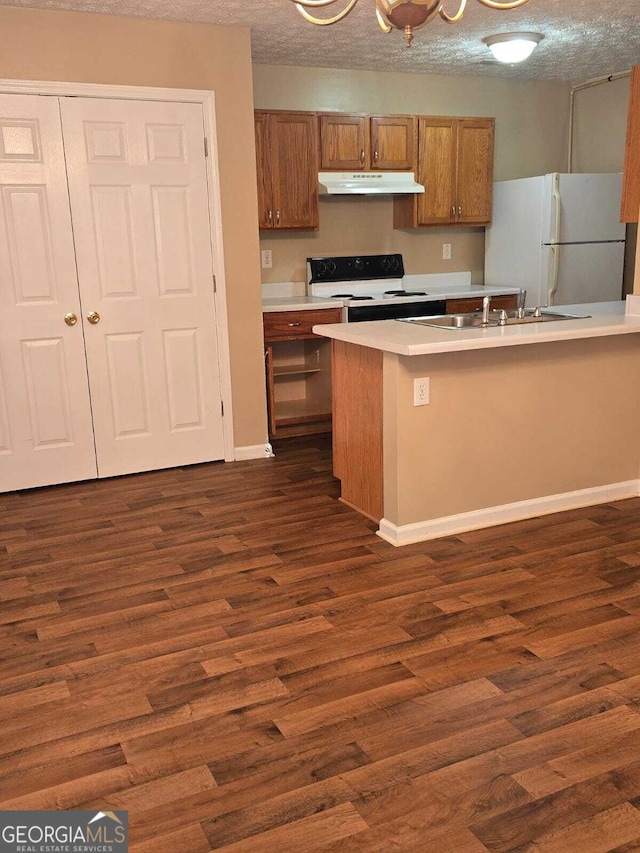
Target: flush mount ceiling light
column 406, row 15
column 512, row 47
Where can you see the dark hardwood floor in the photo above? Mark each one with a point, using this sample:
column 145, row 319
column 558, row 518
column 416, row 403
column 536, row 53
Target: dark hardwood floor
column 233, row 656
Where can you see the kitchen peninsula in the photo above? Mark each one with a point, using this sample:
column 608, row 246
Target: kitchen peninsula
column 298, row 366
column 521, row 420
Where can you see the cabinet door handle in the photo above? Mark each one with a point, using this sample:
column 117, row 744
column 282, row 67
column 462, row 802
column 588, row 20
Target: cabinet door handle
column 294, row 324
column 270, row 217
column 459, row 211
column 453, row 211
column 362, row 156
column 277, row 216
column 375, row 156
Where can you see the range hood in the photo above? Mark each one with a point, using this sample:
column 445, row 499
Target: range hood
column 367, row 183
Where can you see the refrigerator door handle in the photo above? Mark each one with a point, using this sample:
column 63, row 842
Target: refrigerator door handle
column 554, row 263
column 557, row 209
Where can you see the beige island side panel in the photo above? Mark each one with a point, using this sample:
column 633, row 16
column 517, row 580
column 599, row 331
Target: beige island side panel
column 509, row 425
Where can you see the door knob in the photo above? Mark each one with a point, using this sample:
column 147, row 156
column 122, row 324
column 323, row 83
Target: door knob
column 70, row 319
column 93, row 317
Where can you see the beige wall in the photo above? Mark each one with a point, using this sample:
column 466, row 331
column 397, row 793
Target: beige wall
column 66, row 46
column 531, row 139
column 507, row 425
column 600, row 125
column 364, row 226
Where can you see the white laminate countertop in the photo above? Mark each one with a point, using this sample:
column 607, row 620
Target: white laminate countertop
column 411, row 339
column 443, row 291
column 298, row 303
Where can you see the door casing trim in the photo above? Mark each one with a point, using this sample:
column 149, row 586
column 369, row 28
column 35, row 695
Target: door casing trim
column 206, row 99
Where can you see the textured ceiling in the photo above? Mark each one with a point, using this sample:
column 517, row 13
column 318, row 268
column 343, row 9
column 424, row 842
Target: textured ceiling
column 583, row 39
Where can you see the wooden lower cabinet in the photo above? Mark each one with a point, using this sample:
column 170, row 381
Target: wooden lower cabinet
column 298, row 371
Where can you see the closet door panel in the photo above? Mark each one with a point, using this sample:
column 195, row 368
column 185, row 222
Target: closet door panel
column 45, row 416
column 137, row 182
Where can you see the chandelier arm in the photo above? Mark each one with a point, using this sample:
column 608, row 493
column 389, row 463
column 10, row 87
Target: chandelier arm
column 313, row 3
column 492, row 4
column 453, row 19
column 323, row 22
column 384, row 26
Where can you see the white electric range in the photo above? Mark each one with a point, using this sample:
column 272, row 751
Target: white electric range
column 371, row 287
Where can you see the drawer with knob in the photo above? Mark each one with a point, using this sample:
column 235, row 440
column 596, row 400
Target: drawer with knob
column 289, row 325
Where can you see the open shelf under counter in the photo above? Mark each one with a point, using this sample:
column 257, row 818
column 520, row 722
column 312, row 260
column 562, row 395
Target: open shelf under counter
column 298, row 367
column 294, row 369
column 299, row 411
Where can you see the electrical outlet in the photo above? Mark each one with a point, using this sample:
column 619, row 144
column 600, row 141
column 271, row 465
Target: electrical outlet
column 446, row 251
column 267, row 259
column 421, row 391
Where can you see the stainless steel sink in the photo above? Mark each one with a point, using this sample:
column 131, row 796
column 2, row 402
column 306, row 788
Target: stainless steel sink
column 450, row 321
column 496, row 318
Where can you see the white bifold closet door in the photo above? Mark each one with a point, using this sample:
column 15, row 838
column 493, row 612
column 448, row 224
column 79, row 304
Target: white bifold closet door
column 138, row 190
column 136, row 208
column 45, row 417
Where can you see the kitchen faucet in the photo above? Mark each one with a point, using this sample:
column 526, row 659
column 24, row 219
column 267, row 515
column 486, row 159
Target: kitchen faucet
column 486, row 303
column 522, row 298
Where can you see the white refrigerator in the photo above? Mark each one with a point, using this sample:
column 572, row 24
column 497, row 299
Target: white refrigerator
column 559, row 237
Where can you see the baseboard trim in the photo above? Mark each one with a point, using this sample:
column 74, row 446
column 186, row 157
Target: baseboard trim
column 253, row 451
column 476, row 520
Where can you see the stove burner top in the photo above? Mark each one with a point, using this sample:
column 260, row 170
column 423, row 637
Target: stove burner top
column 350, row 296
column 404, row 293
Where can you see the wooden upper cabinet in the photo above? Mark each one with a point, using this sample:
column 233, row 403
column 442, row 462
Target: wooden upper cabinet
column 344, row 142
column 437, row 171
column 474, row 185
column 287, row 161
column 455, row 165
column 263, row 158
column 392, row 142
column 351, row 142
column 631, row 178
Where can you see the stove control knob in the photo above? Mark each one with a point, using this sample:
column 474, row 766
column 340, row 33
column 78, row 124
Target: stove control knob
column 386, row 264
column 359, row 264
column 322, row 268
column 331, row 266
column 395, row 264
